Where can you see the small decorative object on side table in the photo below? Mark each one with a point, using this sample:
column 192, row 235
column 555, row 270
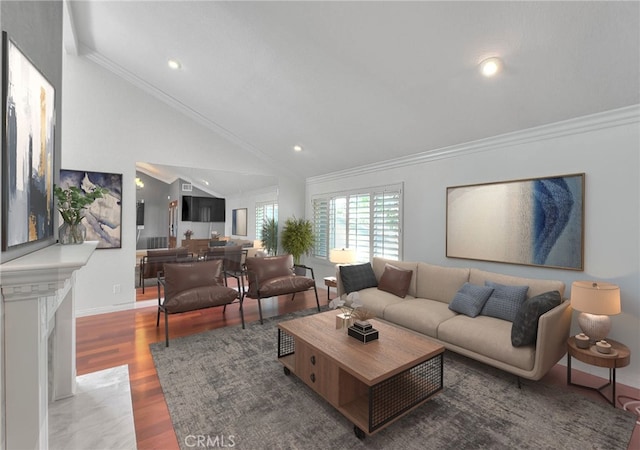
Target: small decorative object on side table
column 618, row 356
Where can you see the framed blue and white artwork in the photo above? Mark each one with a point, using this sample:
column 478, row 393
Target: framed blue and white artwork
column 536, row 222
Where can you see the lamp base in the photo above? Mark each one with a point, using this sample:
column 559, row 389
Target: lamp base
column 595, row 326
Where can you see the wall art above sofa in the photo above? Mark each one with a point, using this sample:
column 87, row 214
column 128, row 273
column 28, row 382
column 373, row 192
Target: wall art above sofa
column 537, row 222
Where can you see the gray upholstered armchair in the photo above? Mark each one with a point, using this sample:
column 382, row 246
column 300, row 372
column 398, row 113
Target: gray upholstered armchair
column 274, row 275
column 192, row 286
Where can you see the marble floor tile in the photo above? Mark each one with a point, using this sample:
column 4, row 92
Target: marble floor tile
column 99, row 416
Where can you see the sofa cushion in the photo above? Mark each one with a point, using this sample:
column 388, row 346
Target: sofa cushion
column 487, row 337
column 419, row 314
column 376, row 301
column 525, row 326
column 439, row 282
column 357, row 276
column 395, row 280
column 470, row 299
column 380, row 263
column 505, row 301
column 536, row 286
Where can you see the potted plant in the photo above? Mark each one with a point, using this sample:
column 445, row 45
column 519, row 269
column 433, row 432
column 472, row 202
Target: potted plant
column 71, row 203
column 297, row 238
column 270, row 236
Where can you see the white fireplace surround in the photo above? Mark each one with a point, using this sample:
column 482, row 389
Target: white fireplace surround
column 37, row 298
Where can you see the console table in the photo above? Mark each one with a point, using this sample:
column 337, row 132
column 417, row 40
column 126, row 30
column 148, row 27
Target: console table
column 39, row 338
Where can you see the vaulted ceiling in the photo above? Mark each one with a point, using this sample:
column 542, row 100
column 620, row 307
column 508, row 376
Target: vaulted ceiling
column 356, row 83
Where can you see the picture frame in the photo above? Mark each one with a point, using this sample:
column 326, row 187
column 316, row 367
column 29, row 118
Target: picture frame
column 103, row 218
column 533, row 222
column 28, row 133
column 239, row 222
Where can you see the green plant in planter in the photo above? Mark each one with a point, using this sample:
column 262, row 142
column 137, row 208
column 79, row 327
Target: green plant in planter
column 270, row 236
column 297, row 238
column 72, row 201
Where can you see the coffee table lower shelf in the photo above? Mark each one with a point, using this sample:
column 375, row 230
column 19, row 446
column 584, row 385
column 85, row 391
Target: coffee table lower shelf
column 369, row 407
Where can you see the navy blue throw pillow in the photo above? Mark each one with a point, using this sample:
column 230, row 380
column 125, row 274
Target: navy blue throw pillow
column 505, row 301
column 470, row 299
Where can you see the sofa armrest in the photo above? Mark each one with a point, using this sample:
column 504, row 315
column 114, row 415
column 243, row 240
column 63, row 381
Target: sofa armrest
column 551, row 343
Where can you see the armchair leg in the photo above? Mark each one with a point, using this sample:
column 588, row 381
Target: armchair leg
column 158, row 319
column 317, row 300
column 260, row 310
column 166, row 328
column 242, row 310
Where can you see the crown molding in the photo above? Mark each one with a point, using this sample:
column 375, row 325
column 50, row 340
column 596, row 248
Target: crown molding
column 578, row 125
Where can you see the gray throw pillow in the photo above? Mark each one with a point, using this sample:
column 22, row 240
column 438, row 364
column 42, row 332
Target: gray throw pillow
column 505, row 301
column 470, row 299
column 524, row 330
column 357, row 276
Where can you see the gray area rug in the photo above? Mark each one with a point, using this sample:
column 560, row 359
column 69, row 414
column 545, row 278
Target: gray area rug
column 225, row 387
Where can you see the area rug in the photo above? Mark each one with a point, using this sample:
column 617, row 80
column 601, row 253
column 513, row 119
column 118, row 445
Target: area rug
column 225, row 387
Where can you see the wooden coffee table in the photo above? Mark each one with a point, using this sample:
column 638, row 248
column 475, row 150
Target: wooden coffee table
column 372, row 384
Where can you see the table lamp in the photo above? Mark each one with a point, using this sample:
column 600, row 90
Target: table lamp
column 342, row 256
column 596, row 302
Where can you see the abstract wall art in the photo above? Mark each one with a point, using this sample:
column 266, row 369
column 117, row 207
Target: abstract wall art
column 103, row 218
column 239, row 222
column 538, row 222
column 28, row 122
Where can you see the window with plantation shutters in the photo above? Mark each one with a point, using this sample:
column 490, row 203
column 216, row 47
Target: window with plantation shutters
column 321, row 226
column 368, row 221
column 264, row 211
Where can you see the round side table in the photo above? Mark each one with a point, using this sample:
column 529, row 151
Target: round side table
column 620, row 356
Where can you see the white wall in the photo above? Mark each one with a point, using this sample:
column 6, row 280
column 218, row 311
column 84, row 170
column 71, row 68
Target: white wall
column 113, row 125
column 248, row 200
column 605, row 147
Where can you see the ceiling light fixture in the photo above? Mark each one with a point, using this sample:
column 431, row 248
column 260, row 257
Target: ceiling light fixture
column 174, row 64
column 491, row 66
column 297, row 148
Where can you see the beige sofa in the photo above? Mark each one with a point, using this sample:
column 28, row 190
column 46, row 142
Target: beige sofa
column 425, row 309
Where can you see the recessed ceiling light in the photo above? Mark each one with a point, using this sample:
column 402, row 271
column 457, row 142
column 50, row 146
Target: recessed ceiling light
column 297, row 148
column 490, row 66
column 174, row 64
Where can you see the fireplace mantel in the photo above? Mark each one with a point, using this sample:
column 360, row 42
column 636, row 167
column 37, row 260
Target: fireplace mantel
column 39, row 318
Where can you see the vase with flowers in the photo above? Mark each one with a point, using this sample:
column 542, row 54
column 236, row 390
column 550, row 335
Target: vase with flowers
column 71, row 203
column 351, row 308
column 188, row 234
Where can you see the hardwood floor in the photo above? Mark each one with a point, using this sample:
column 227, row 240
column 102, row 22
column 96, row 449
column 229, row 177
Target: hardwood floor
column 113, row 339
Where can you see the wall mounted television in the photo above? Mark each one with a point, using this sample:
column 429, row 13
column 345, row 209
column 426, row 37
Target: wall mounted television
column 203, row 209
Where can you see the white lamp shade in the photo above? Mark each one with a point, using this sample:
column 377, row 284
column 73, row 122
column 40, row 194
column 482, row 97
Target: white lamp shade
column 342, row 256
column 257, row 243
column 595, row 298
